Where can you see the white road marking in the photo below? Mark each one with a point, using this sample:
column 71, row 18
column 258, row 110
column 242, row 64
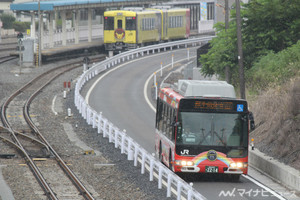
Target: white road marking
column 53, row 105
column 115, row 68
column 148, row 80
column 264, row 187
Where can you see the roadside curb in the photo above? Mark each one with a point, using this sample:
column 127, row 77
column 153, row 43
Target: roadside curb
column 282, row 173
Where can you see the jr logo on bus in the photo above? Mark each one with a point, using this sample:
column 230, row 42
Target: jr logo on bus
column 119, row 33
column 185, row 152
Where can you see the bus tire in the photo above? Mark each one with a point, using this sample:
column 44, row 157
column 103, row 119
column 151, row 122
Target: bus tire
column 170, row 161
column 160, row 153
column 235, row 177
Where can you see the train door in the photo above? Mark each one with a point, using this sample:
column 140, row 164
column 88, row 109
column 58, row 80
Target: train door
column 119, row 29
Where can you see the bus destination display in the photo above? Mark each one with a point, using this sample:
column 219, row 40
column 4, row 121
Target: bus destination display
column 213, row 105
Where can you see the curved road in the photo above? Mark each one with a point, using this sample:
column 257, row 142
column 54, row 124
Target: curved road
column 119, row 95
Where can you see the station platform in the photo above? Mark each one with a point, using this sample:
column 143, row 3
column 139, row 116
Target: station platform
column 69, row 48
column 83, row 48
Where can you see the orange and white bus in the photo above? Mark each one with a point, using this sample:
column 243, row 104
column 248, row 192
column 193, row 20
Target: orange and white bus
column 202, row 128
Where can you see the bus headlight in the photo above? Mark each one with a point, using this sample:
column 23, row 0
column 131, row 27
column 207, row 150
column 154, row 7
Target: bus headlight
column 185, row 163
column 236, row 165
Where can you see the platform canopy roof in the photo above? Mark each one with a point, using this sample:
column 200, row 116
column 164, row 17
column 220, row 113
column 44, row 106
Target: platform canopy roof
column 72, row 4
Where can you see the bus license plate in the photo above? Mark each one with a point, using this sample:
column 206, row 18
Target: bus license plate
column 211, row 169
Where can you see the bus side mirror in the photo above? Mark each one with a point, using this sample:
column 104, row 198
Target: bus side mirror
column 175, row 124
column 252, row 123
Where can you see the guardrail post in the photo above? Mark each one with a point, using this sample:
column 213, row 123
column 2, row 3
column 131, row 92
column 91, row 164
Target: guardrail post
column 94, row 119
column 99, row 122
column 151, row 169
column 153, row 51
column 160, row 177
column 83, row 110
column 123, row 142
column 188, row 54
column 88, row 119
column 143, row 163
column 116, row 138
column 136, row 151
column 169, row 185
column 104, row 128
column 110, row 128
column 161, row 69
column 147, row 52
column 129, row 150
column 190, row 192
column 179, row 185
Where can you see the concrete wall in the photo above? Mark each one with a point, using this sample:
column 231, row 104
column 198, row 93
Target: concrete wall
column 284, row 174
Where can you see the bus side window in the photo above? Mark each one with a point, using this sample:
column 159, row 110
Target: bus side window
column 164, row 128
column 173, row 123
column 160, row 115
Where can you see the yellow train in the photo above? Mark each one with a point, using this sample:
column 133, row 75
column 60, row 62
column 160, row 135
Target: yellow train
column 135, row 27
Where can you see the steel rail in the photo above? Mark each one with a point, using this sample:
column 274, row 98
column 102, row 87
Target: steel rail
column 82, row 189
column 47, row 189
column 6, row 58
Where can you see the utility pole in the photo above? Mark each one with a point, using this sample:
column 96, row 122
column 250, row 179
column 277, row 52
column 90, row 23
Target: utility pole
column 40, row 37
column 227, row 69
column 240, row 50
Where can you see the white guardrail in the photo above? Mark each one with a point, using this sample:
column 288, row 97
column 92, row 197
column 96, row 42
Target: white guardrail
column 121, row 140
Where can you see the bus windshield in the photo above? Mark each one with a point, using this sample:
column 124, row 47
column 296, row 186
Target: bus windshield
column 229, row 130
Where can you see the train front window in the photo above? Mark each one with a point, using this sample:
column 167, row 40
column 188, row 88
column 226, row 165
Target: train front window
column 212, row 129
column 120, row 23
column 130, row 23
column 109, row 23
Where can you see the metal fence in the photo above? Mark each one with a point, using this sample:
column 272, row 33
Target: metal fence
column 120, row 139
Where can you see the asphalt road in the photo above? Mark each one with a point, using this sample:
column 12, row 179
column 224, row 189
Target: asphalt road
column 119, row 95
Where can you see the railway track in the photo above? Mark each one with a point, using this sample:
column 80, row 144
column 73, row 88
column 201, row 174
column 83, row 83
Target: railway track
column 58, row 182
column 4, row 59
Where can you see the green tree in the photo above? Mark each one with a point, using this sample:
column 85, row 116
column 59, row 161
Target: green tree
column 7, row 20
column 268, row 26
column 223, row 52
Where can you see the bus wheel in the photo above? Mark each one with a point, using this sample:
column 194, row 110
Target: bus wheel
column 160, row 153
column 170, row 162
column 235, row 177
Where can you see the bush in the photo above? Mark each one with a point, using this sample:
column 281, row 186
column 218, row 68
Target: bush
column 274, row 68
column 7, row 20
column 21, row 26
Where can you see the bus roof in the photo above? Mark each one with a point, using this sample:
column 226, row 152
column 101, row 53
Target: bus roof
column 199, row 88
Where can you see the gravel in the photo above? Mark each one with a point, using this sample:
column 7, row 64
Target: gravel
column 120, row 180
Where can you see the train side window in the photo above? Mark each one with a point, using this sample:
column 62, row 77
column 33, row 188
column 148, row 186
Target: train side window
column 130, row 23
column 120, row 23
column 109, row 23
